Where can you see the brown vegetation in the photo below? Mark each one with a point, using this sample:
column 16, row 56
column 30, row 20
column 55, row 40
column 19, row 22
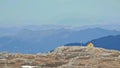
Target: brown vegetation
column 65, row 57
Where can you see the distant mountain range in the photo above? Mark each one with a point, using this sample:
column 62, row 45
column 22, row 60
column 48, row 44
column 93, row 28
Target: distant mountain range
column 43, row 40
column 12, row 30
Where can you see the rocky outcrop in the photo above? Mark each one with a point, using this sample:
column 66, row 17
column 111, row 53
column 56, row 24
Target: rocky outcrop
column 66, row 57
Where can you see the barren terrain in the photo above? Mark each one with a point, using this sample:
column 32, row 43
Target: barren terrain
column 64, row 57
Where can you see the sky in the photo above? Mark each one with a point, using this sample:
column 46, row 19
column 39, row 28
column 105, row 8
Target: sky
column 59, row 12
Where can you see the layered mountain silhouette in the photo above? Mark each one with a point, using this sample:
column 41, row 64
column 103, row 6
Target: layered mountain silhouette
column 30, row 41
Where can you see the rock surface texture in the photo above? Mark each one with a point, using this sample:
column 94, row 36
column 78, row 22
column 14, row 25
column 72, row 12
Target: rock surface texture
column 64, row 57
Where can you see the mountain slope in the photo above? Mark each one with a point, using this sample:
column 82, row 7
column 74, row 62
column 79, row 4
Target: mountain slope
column 110, row 42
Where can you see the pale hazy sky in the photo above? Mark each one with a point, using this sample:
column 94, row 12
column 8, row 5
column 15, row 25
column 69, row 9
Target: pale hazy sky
column 59, row 12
